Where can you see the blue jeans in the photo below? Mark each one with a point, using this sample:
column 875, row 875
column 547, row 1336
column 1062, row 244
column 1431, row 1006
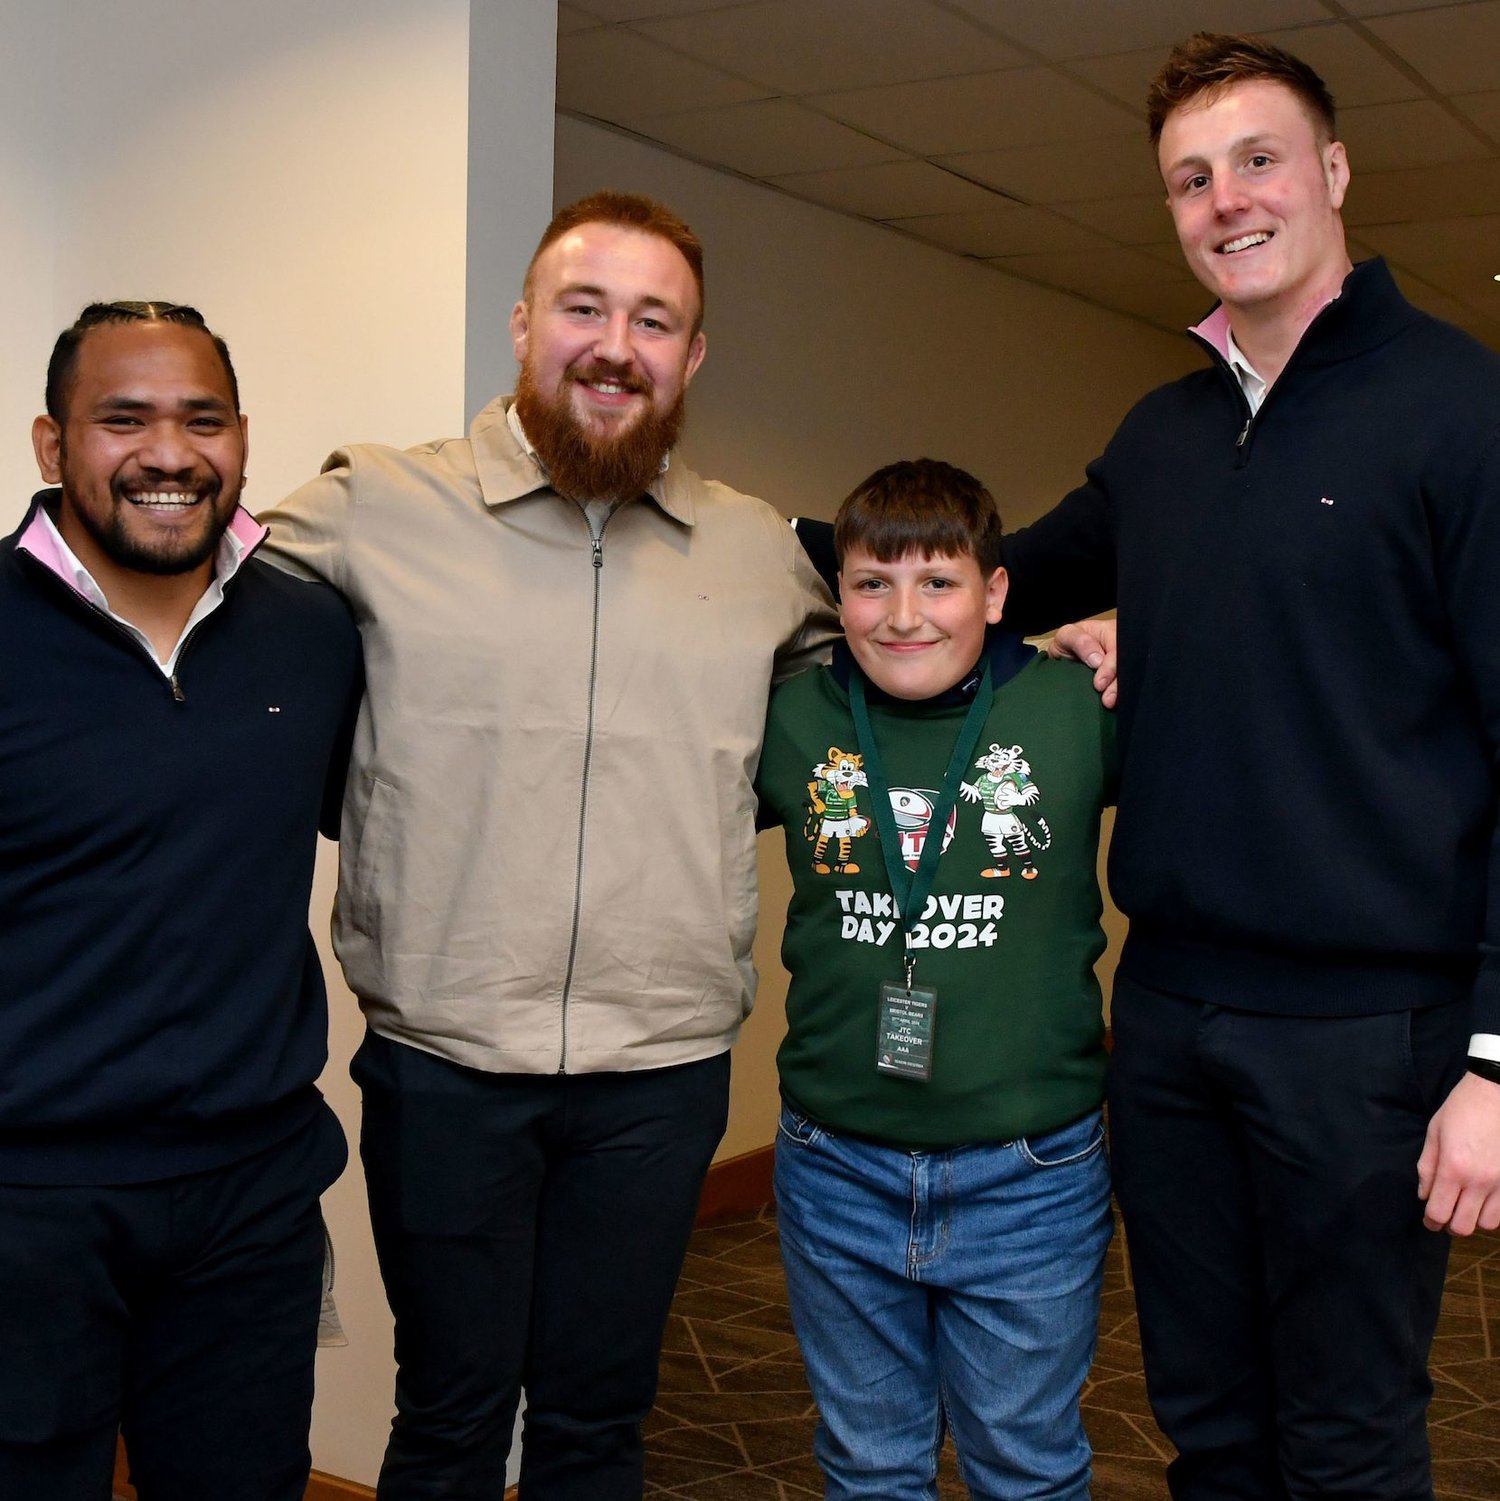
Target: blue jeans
column 956, row 1288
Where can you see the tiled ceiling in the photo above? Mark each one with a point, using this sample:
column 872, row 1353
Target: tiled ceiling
column 1010, row 131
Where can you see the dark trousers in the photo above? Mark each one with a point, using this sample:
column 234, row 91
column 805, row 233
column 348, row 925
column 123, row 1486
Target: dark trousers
column 530, row 1229
column 1287, row 1291
column 183, row 1312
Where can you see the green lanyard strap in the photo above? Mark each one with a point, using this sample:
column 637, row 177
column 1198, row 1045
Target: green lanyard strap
column 911, row 889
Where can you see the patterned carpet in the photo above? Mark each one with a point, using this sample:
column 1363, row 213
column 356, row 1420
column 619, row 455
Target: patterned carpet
column 734, row 1418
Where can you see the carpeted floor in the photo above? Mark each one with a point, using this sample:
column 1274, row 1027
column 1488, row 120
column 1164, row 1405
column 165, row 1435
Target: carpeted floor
column 734, row 1418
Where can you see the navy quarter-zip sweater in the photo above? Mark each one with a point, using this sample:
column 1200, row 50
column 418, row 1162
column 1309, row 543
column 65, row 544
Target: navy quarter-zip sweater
column 162, row 1008
column 1309, row 666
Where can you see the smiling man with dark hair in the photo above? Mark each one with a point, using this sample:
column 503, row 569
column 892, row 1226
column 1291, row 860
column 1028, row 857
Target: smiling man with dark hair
column 174, row 722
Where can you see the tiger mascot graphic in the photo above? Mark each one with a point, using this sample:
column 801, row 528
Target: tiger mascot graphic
column 834, row 810
column 1004, row 786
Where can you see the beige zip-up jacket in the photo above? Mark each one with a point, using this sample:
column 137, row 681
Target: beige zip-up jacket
column 548, row 852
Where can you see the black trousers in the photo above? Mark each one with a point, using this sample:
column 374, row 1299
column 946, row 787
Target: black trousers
column 530, row 1230
column 183, row 1312
column 1287, row 1290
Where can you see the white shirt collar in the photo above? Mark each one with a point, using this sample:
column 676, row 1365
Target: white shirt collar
column 230, row 554
column 1245, row 373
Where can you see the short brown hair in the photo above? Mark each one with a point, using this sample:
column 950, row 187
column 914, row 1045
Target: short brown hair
column 625, row 211
column 920, row 506
column 1211, row 61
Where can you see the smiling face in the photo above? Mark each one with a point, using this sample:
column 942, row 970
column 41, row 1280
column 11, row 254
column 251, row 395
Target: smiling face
column 607, row 342
column 916, row 625
column 149, row 451
column 1255, row 196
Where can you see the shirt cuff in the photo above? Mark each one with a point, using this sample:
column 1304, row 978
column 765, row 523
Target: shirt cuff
column 1485, row 1045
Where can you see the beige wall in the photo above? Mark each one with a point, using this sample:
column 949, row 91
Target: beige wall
column 835, row 347
column 28, row 213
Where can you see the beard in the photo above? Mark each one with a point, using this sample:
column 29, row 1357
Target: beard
column 587, row 466
column 163, row 557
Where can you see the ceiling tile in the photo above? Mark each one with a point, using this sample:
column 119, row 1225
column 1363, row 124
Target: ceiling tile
column 637, row 10
column 1483, row 110
column 615, row 75
column 1173, row 306
column 569, row 19
column 1086, row 28
column 1430, row 299
column 1008, row 229
column 889, row 190
column 1455, row 49
column 1019, row 107
column 1468, row 282
column 1446, row 190
column 799, row 46
column 1484, row 297
column 1168, row 252
column 1046, row 168
column 767, row 139
column 1384, row 137
column 1386, row 7
column 1125, row 75
column 1067, row 172
column 1094, row 272
column 1141, row 219
column 1476, row 238
column 1355, row 72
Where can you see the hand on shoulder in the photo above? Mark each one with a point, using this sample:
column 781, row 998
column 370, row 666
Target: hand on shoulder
column 1091, row 642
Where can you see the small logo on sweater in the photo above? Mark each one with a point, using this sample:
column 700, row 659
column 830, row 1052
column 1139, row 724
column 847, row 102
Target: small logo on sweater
column 1325, row 501
column 914, row 807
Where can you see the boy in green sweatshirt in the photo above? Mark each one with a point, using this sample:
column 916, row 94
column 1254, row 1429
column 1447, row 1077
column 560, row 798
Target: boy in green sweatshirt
column 941, row 1184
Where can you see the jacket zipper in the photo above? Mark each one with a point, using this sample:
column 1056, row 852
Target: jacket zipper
column 108, row 620
column 174, row 686
column 597, row 547
column 1242, row 444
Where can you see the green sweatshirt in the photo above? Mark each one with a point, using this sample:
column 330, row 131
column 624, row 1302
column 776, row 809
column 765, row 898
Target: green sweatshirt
column 1011, row 930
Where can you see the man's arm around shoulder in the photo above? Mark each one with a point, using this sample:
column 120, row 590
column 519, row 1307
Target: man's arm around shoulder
column 310, row 528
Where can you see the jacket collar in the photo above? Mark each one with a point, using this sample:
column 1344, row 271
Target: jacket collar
column 1368, row 310
column 507, row 472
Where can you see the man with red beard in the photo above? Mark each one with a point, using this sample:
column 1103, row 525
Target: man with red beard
column 548, row 894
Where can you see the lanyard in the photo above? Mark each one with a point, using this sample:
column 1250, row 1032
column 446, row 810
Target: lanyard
column 911, row 889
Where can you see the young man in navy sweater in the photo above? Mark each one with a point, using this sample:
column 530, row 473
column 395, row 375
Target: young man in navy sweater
column 1302, row 542
column 174, row 721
